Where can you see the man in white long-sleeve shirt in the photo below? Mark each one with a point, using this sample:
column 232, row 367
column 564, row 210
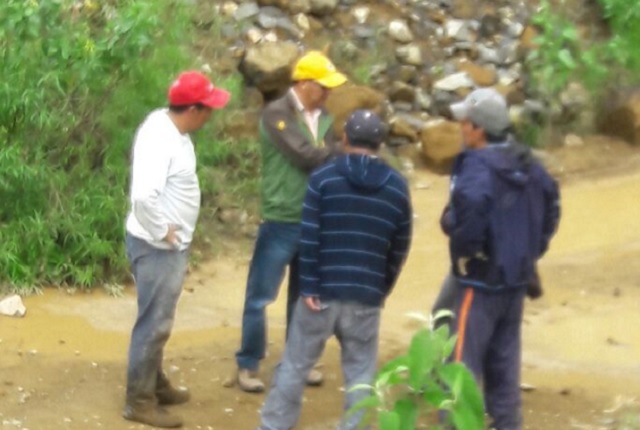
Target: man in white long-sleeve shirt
column 165, row 201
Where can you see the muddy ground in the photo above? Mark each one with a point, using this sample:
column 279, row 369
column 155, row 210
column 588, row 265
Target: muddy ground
column 63, row 365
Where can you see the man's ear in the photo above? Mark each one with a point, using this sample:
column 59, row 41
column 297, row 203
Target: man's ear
column 345, row 140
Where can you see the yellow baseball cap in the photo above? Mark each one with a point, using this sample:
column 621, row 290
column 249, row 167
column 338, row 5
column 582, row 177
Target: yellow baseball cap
column 315, row 66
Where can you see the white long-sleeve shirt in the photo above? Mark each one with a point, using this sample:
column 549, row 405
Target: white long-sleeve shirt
column 164, row 184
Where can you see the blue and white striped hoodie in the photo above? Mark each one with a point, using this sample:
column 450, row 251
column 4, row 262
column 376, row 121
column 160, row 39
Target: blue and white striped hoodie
column 356, row 230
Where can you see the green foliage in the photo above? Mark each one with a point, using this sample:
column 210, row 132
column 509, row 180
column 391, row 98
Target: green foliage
column 229, row 166
column 566, row 53
column 411, row 389
column 562, row 55
column 78, row 77
column 559, row 56
column 623, row 17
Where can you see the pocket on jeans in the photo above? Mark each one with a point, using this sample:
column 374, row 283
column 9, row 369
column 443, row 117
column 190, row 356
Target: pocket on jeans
column 312, row 323
column 365, row 323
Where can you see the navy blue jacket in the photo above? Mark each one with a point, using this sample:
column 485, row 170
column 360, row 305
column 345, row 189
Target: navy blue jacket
column 356, row 230
column 503, row 211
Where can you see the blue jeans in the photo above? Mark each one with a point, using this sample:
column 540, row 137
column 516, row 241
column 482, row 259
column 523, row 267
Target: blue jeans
column 158, row 274
column 356, row 327
column 275, row 249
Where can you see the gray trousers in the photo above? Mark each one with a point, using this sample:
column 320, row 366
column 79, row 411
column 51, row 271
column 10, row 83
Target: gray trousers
column 158, row 275
column 356, row 327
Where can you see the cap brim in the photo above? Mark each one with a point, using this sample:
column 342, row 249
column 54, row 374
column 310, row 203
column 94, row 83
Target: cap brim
column 218, row 99
column 333, row 80
column 459, row 111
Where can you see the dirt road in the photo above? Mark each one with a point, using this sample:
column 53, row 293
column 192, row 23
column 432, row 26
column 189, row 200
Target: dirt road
column 62, row 366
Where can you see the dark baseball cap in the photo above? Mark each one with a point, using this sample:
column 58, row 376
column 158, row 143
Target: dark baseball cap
column 365, row 128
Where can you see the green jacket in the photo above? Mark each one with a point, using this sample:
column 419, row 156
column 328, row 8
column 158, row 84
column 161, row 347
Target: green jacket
column 289, row 154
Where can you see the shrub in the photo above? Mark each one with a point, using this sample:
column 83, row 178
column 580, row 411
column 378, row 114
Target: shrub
column 78, row 79
column 563, row 56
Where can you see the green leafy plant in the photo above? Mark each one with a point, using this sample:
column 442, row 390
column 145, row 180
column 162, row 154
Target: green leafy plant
column 423, row 387
column 622, row 17
column 561, row 56
column 598, row 61
column 79, row 76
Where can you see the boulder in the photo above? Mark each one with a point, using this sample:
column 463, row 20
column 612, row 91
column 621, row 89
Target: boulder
column 401, row 127
column 347, row 98
column 620, row 115
column 483, row 76
column 267, row 66
column 464, row 9
column 300, row 6
column 12, row 306
column 440, row 143
column 323, row 7
column 527, row 38
column 402, row 92
column 399, row 31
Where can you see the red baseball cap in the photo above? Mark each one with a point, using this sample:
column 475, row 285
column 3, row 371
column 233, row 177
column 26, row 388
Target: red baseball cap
column 194, row 87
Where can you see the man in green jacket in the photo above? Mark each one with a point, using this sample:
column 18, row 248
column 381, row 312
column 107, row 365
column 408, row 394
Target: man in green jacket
column 296, row 136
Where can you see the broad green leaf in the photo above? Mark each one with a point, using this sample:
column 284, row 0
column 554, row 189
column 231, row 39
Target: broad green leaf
column 389, row 420
column 566, row 58
column 434, row 395
column 467, row 409
column 449, row 346
column 407, row 411
column 422, row 357
column 393, row 365
column 570, row 33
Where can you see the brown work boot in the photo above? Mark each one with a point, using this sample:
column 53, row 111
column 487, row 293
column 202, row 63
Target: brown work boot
column 151, row 414
column 248, row 381
column 169, row 395
column 315, row 378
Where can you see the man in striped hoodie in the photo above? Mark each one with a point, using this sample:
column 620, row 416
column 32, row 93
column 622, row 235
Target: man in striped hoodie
column 356, row 230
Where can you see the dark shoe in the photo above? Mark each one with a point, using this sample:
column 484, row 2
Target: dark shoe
column 152, row 415
column 172, row 396
column 248, row 381
column 315, row 378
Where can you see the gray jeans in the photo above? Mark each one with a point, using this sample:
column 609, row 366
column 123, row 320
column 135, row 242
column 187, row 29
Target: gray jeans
column 356, row 327
column 158, row 275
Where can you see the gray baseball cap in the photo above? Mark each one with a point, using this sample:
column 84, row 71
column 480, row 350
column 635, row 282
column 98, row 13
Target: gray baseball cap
column 365, row 128
column 486, row 108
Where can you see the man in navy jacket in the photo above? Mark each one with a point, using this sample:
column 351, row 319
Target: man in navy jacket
column 356, row 229
column 503, row 211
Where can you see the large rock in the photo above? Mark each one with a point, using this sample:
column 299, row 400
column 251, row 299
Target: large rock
column 464, row 9
column 300, row 6
column 323, row 7
column 483, row 76
column 12, row 306
column 267, row 66
column 347, row 98
column 399, row 31
column 401, row 126
column 440, row 143
column 621, row 115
